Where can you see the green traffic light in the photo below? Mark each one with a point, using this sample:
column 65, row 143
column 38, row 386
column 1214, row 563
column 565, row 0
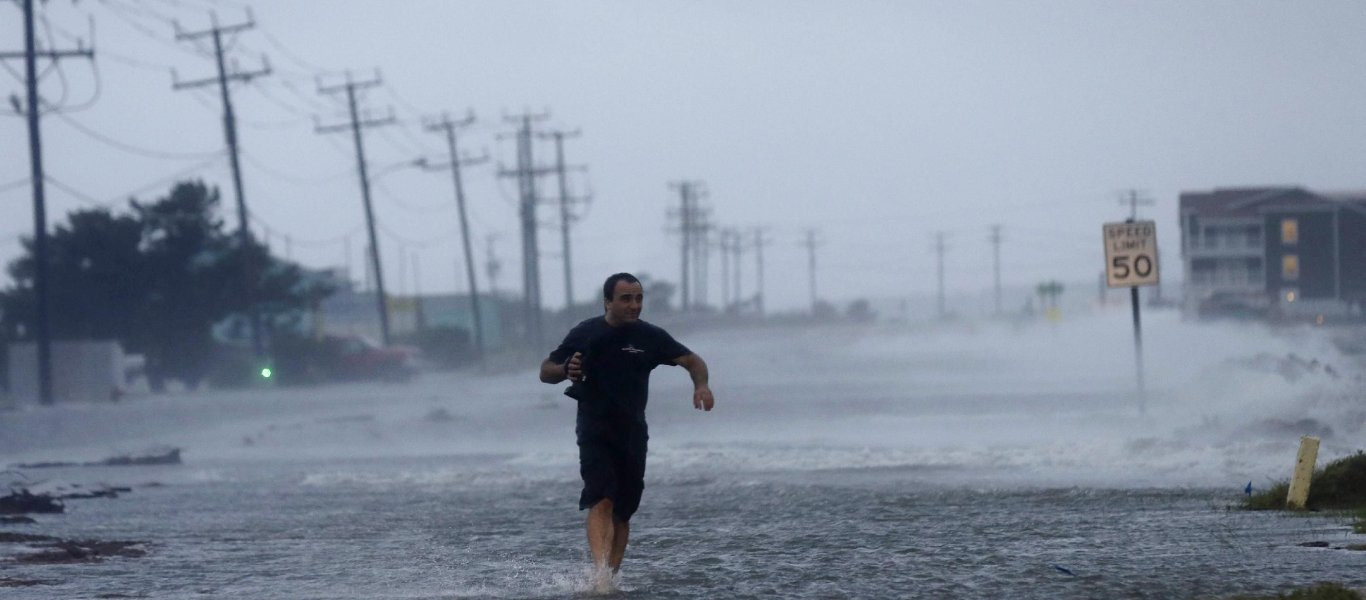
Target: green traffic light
column 266, row 372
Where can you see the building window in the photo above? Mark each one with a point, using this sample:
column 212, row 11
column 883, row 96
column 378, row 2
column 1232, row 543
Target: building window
column 1290, row 231
column 1290, row 267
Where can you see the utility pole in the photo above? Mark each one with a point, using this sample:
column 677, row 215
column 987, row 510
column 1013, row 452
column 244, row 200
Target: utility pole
column 346, row 251
column 492, row 266
column 35, row 147
column 692, row 234
column 702, row 229
column 230, row 131
column 565, row 217
column 526, row 173
column 759, row 243
column 737, row 248
column 402, row 269
column 685, row 234
column 939, row 249
column 811, row 243
column 1135, row 198
column 369, row 283
column 447, row 126
column 996, row 263
column 418, row 314
column 350, row 87
column 726, row 297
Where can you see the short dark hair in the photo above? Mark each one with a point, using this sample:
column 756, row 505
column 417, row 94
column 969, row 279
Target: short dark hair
column 610, row 285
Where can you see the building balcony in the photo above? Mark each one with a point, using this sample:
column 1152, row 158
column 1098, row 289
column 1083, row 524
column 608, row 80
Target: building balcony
column 1241, row 249
column 1208, row 286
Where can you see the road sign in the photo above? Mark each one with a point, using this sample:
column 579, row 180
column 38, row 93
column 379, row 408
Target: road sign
column 1130, row 254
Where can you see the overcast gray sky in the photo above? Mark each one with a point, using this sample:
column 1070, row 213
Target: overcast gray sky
column 878, row 123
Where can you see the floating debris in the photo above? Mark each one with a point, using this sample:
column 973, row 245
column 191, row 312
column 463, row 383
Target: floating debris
column 158, row 456
column 104, row 492
column 16, row 582
column 83, row 551
column 22, row 501
column 439, row 415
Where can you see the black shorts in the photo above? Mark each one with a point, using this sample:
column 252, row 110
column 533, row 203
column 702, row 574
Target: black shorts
column 612, row 463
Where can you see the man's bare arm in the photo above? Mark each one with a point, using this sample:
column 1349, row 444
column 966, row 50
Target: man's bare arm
column 697, row 369
column 553, row 372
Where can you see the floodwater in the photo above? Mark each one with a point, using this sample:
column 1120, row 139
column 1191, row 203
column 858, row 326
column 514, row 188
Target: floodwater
column 987, row 461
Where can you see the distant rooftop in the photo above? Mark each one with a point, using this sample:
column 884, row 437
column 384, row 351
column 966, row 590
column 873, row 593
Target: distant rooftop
column 1252, row 201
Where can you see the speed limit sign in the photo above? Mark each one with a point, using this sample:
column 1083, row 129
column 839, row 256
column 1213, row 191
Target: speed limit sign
column 1130, row 254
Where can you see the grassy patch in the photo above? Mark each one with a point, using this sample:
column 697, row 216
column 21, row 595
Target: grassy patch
column 1272, row 499
column 1339, row 485
column 1322, row 591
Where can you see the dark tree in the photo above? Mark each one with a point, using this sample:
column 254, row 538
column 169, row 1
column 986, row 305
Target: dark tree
column 95, row 272
column 157, row 280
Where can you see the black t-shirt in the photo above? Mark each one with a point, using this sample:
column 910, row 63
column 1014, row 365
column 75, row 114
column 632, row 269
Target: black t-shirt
column 616, row 364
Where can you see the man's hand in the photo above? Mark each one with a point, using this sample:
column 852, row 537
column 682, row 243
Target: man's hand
column 574, row 368
column 697, row 370
column 702, row 398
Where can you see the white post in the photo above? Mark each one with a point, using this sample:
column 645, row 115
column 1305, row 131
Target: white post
column 1304, row 471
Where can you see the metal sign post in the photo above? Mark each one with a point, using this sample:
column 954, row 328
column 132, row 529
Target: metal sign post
column 1131, row 261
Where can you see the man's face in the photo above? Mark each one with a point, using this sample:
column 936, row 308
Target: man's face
column 624, row 307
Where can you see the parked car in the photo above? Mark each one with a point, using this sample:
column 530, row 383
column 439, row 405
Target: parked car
column 355, row 357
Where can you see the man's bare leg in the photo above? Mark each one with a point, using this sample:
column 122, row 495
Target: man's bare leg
column 620, row 531
column 601, row 534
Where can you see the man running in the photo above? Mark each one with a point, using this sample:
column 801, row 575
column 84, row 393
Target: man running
column 608, row 359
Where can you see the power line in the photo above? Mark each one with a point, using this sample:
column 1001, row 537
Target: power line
column 5, row 187
column 310, row 242
column 292, row 179
column 263, row 91
column 131, row 149
column 77, row 194
column 122, row 13
column 307, row 65
column 404, row 205
column 135, row 191
column 402, row 146
column 408, row 241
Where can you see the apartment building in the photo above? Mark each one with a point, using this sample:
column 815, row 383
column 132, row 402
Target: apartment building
column 1278, row 252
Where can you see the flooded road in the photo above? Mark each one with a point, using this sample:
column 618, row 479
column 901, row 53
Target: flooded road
column 997, row 461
